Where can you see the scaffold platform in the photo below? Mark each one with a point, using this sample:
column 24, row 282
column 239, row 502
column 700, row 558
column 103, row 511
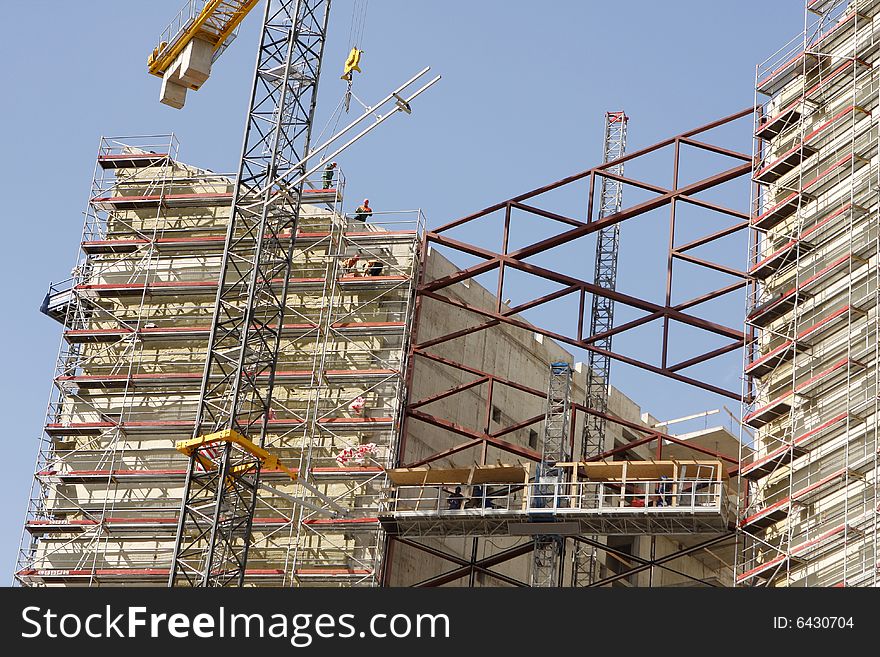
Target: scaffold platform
column 600, row 498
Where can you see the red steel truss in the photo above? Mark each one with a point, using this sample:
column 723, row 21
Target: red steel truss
column 508, row 260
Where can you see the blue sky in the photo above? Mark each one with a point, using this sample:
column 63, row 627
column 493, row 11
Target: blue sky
column 524, row 90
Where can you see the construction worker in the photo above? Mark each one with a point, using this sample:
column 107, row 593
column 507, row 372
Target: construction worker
column 328, row 175
column 476, row 500
column 455, row 499
column 350, row 266
column 375, row 267
column 664, row 488
column 363, row 211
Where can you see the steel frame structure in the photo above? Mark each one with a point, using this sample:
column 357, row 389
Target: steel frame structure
column 471, row 568
column 507, row 259
column 809, row 506
column 214, row 528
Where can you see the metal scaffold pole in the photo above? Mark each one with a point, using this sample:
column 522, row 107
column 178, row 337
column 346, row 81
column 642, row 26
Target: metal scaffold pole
column 213, row 534
column 602, row 318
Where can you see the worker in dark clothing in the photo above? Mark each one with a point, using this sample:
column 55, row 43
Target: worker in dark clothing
column 328, row 175
column 375, row 267
column 455, row 499
column 476, row 500
column 664, row 490
column 363, row 211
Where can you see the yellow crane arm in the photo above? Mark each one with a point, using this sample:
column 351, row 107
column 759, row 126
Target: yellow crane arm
column 267, row 460
column 214, row 23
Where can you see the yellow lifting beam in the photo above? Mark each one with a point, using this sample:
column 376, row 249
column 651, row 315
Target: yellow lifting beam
column 267, row 460
column 217, row 20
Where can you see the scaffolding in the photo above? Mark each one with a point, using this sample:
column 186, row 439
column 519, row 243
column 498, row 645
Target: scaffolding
column 137, row 317
column 808, row 508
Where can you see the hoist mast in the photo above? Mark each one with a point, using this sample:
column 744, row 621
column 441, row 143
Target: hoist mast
column 550, row 549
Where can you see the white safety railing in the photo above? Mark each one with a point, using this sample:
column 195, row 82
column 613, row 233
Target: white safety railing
column 657, row 496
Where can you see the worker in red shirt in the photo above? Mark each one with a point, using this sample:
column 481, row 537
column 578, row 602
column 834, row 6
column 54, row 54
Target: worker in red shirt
column 349, row 267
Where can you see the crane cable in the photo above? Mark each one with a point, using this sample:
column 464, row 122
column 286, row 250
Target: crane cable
column 355, row 39
column 358, row 22
column 355, row 36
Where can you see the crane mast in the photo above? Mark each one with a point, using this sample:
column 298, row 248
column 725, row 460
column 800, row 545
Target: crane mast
column 602, row 317
column 605, row 276
column 214, row 528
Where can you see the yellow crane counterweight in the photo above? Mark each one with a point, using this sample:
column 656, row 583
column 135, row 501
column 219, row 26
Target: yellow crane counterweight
column 190, row 44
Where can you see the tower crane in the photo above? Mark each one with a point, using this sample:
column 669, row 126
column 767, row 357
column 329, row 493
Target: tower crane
column 199, row 33
column 602, row 317
column 226, row 451
column 605, row 276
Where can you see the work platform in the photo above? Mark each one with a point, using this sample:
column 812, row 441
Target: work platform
column 120, row 202
column 131, row 160
column 209, row 288
column 809, row 191
column 211, row 243
column 176, row 427
column 599, row 498
column 781, row 303
column 787, row 256
column 166, row 380
column 200, row 333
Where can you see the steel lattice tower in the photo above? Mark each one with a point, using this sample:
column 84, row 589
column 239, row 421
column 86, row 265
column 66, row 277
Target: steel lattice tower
column 214, row 529
column 605, row 275
column 549, row 550
column 602, row 317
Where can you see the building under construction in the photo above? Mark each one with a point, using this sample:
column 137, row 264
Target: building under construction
column 136, row 322
column 409, row 421
column 809, row 513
